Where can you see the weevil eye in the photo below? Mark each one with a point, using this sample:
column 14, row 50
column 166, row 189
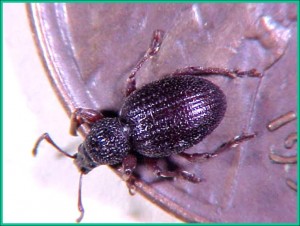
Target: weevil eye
column 83, row 161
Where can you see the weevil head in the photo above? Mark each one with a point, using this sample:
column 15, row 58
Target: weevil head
column 106, row 144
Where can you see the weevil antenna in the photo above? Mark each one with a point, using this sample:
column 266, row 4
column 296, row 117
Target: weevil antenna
column 46, row 137
column 80, row 206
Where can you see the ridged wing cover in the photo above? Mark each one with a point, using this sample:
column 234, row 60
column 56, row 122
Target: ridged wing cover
column 172, row 114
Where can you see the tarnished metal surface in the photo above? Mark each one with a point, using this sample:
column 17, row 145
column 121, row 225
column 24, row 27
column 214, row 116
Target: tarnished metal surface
column 88, row 50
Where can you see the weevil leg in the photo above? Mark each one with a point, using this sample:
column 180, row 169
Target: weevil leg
column 128, row 165
column 204, row 71
column 197, row 157
column 153, row 49
column 83, row 115
column 182, row 174
column 46, row 137
column 200, row 157
column 131, row 186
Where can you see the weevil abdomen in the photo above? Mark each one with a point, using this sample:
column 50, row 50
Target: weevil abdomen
column 172, row 114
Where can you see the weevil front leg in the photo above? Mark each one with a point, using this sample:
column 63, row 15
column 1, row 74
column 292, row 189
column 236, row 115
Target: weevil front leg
column 128, row 166
column 153, row 49
column 203, row 71
column 81, row 116
column 200, row 157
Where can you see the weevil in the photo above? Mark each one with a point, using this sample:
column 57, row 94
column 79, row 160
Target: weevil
column 160, row 119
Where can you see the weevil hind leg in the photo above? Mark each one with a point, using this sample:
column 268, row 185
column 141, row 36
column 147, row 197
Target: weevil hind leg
column 200, row 157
